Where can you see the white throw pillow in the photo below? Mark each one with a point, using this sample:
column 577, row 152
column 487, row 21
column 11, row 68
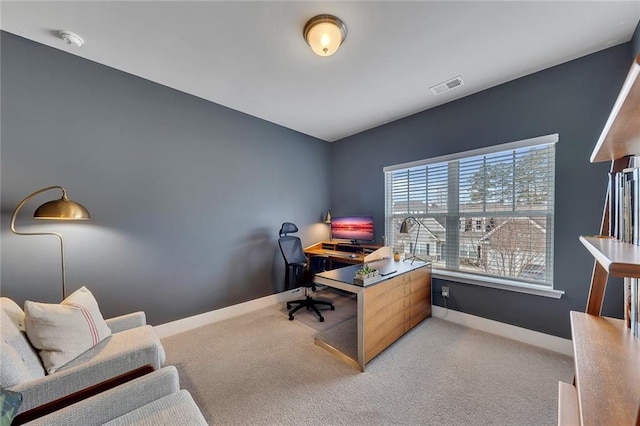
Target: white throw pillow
column 62, row 332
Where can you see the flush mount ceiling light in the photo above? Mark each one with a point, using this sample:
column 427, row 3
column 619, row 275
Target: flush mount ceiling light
column 71, row 38
column 325, row 34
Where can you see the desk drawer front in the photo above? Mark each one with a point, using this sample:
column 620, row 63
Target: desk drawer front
column 381, row 296
column 381, row 337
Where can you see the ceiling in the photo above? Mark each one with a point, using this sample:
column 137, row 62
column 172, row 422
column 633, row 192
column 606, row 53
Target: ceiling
column 251, row 56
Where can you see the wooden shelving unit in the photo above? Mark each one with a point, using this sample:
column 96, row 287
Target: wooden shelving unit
column 606, row 389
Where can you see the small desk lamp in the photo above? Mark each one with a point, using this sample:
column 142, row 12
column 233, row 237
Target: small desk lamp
column 404, row 229
column 62, row 209
column 327, row 220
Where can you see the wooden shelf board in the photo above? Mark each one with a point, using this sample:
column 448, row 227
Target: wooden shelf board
column 621, row 134
column 617, row 258
column 607, row 360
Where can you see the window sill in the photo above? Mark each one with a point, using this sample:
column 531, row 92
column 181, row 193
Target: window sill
column 502, row 284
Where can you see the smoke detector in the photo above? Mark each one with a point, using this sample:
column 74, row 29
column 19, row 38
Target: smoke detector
column 447, row 85
column 71, row 38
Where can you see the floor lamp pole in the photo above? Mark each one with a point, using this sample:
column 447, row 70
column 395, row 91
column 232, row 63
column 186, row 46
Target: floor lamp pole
column 62, row 209
column 405, row 230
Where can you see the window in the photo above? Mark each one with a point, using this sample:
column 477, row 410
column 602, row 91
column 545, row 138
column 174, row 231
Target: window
column 484, row 213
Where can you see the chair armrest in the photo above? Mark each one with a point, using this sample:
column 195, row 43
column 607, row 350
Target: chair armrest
column 118, row 354
column 116, row 402
column 125, row 322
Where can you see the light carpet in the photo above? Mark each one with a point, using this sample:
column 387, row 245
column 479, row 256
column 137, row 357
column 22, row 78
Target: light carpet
column 262, row 369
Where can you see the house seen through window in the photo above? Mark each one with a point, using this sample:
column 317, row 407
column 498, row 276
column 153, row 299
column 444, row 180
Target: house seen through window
column 485, row 212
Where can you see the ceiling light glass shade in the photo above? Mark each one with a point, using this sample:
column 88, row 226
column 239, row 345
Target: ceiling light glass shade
column 325, row 34
column 62, row 209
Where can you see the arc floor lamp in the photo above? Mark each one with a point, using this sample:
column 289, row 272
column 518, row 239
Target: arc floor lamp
column 404, row 229
column 61, row 209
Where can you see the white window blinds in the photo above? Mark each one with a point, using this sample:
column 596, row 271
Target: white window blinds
column 486, row 212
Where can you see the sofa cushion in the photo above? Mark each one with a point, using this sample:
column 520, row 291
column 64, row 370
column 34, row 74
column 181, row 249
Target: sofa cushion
column 9, row 404
column 62, row 332
column 126, row 350
column 19, row 360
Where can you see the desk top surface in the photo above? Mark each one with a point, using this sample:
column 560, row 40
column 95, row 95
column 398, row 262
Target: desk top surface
column 335, row 253
column 388, row 269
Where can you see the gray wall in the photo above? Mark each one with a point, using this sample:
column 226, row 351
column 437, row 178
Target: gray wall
column 635, row 41
column 186, row 196
column 573, row 99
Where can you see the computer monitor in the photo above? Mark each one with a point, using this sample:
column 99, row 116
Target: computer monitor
column 354, row 228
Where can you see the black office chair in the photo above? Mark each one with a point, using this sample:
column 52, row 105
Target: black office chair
column 296, row 273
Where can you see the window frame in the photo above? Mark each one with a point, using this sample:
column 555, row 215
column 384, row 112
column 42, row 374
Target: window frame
column 452, row 211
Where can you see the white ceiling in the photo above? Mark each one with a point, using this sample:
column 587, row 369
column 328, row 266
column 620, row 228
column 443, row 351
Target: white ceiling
column 251, row 56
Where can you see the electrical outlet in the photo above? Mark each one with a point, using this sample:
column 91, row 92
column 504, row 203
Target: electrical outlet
column 445, row 291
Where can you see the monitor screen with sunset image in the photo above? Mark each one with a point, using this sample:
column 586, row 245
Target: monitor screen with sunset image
column 354, row 228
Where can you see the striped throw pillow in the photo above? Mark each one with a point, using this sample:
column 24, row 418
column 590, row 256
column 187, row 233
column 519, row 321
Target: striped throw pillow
column 63, row 331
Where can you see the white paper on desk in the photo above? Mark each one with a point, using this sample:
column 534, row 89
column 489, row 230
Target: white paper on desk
column 381, row 253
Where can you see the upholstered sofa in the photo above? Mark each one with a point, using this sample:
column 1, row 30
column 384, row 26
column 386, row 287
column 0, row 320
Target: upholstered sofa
column 154, row 399
column 132, row 345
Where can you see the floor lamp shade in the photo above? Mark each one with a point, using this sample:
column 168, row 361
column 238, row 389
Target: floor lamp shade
column 61, row 209
column 404, row 228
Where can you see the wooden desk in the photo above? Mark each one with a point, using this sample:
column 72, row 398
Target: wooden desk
column 341, row 252
column 387, row 308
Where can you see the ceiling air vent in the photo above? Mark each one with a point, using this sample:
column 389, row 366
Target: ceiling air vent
column 447, row 85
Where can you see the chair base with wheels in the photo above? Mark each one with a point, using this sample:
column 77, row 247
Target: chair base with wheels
column 309, row 303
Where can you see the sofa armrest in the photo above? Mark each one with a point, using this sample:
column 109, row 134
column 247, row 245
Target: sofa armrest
column 80, row 395
column 117, row 401
column 176, row 409
column 125, row 322
column 118, row 354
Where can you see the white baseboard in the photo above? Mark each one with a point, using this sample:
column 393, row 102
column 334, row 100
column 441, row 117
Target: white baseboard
column 535, row 338
column 186, row 324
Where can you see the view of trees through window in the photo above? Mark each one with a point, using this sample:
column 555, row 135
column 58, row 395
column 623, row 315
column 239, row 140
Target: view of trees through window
column 489, row 214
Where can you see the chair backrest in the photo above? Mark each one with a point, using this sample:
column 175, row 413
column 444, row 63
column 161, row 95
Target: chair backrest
column 20, row 361
column 291, row 248
column 290, row 245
